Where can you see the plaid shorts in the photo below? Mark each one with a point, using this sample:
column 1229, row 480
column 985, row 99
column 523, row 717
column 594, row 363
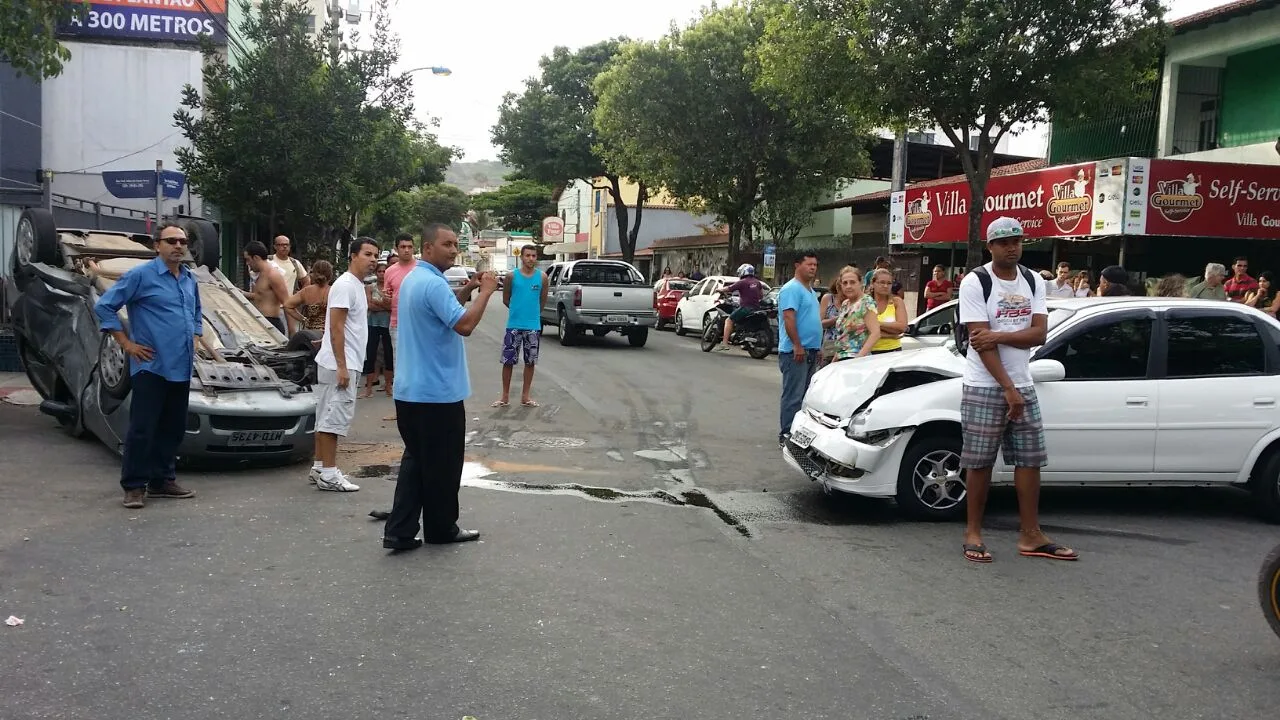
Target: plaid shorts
column 986, row 428
column 514, row 340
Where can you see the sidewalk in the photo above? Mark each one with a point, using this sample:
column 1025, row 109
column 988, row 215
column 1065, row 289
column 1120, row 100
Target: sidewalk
column 15, row 389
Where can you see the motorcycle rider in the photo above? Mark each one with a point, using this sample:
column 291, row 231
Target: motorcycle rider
column 750, row 294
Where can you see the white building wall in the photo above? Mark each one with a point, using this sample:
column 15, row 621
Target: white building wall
column 112, row 109
column 574, row 207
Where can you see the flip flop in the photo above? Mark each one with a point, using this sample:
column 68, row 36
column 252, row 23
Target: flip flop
column 531, row 403
column 980, row 553
column 1051, row 551
column 498, row 403
column 389, row 418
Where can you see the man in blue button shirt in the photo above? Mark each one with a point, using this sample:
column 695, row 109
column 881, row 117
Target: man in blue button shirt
column 430, row 386
column 800, row 347
column 163, row 303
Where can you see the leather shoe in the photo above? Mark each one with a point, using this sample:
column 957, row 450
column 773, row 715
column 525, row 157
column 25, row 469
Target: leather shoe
column 395, row 543
column 459, row 535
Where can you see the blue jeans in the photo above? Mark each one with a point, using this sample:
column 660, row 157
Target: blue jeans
column 795, row 380
column 157, row 422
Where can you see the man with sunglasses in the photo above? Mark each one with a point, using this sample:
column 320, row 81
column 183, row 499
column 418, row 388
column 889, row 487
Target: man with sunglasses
column 163, row 303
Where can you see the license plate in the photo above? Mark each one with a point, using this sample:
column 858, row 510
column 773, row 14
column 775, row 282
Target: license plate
column 802, row 437
column 617, row 318
column 243, row 438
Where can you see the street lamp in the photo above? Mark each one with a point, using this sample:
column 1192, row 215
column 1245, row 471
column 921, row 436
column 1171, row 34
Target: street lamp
column 435, row 70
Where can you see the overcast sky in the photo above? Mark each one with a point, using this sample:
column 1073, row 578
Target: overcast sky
column 493, row 45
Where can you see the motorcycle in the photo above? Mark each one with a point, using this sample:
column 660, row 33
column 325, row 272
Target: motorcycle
column 752, row 333
column 1269, row 589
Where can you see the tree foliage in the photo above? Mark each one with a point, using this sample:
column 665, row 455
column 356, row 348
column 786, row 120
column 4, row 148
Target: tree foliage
column 441, row 204
column 389, row 217
column 548, row 131
column 783, row 218
column 689, row 113
column 299, row 136
column 29, row 35
column 519, row 205
column 975, row 68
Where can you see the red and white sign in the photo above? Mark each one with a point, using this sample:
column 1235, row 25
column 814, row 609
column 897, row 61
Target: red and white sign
column 552, row 230
column 1053, row 202
column 1203, row 199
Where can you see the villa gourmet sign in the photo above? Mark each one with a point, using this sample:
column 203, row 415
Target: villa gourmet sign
column 1203, row 199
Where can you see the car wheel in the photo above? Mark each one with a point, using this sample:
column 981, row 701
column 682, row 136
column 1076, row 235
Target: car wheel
column 36, row 240
column 565, row 331
column 113, row 368
column 638, row 337
column 680, row 324
column 203, row 243
column 1265, row 487
column 1269, row 589
column 930, row 481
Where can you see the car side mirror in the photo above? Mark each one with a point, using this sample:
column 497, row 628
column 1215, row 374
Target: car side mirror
column 1043, row 371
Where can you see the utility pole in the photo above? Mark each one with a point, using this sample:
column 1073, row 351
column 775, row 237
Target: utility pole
column 898, row 175
column 159, row 190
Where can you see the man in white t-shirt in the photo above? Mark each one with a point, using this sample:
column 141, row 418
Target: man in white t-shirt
column 1062, row 286
column 339, row 364
column 1005, row 319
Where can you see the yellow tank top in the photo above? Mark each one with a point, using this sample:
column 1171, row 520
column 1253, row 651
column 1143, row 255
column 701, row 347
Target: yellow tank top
column 889, row 315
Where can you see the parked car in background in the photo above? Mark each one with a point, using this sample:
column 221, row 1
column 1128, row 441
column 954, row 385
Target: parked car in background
column 458, row 275
column 1133, row 391
column 253, row 405
column 669, row 292
column 693, row 312
column 602, row 296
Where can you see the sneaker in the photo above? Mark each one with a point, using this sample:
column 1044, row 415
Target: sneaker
column 135, row 498
column 170, row 489
column 338, row 483
column 314, row 475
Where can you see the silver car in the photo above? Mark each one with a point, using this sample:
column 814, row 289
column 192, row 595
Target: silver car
column 254, row 405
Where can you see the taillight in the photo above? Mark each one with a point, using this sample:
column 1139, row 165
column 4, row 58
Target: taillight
column 577, row 297
column 655, row 300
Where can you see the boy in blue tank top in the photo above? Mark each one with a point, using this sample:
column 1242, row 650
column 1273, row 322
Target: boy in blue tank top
column 524, row 294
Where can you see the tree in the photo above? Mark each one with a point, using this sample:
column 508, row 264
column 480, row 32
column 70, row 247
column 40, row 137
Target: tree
column 549, row 132
column 29, row 35
column 519, row 205
column 983, row 67
column 391, row 216
column 290, row 136
column 441, row 203
column 690, row 114
column 783, row 217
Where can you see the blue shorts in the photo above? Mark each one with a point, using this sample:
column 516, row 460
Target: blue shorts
column 515, row 340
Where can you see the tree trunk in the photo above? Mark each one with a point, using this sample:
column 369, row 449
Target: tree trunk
column 620, row 216
column 735, row 229
column 629, row 244
column 978, row 199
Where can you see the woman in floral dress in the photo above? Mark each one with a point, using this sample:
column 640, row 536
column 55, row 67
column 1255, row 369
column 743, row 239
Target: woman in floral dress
column 857, row 328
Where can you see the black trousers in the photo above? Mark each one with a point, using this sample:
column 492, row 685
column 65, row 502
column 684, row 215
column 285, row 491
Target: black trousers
column 434, row 436
column 157, row 421
column 379, row 335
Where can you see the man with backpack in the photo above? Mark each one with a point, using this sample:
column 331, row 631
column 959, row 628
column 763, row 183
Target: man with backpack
column 1002, row 316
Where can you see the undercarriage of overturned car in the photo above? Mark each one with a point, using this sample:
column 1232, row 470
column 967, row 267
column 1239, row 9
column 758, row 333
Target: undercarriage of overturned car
column 251, row 398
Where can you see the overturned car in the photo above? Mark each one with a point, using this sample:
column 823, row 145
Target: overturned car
column 254, row 405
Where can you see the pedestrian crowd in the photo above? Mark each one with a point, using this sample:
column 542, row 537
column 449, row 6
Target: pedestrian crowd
column 407, row 310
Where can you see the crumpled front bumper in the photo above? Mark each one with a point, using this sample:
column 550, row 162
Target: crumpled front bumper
column 839, row 463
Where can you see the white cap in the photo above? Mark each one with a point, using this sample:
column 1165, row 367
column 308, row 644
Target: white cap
column 1004, row 227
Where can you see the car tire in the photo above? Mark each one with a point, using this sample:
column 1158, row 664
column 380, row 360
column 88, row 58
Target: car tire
column 1265, row 487
column 113, row 368
column 565, row 331
column 680, row 324
column 930, row 481
column 1269, row 589
column 638, row 337
column 36, row 240
column 203, row 242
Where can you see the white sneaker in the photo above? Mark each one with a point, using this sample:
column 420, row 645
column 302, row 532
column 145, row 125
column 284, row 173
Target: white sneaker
column 338, row 483
column 314, row 475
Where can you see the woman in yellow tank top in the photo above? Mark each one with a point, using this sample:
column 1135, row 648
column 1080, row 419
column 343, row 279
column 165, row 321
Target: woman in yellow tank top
column 891, row 312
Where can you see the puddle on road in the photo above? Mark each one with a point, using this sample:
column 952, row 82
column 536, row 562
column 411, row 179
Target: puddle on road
column 477, row 475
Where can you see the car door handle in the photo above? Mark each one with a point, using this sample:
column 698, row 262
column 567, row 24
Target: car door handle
column 1264, row 402
column 1135, row 401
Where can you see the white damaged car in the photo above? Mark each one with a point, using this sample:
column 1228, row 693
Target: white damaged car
column 1134, row 391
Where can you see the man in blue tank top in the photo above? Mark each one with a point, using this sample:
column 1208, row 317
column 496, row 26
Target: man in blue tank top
column 524, row 294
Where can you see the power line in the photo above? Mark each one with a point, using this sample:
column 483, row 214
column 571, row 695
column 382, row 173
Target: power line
column 122, row 157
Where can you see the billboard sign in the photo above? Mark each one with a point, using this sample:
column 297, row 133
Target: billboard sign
column 136, row 184
column 1050, row 203
column 1203, row 199
column 552, row 230
column 180, row 21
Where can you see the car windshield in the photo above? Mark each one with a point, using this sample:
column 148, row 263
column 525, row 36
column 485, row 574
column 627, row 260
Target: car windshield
column 679, row 284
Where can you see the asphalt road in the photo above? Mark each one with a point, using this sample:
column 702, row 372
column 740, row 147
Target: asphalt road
column 605, row 587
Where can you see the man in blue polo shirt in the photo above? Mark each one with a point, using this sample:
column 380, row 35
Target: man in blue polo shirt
column 800, row 342
column 163, row 301
column 430, row 386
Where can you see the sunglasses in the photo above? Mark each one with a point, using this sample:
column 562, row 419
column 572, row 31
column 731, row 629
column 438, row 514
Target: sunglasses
column 174, row 240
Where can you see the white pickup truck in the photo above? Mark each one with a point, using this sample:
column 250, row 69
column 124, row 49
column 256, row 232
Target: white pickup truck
column 601, row 296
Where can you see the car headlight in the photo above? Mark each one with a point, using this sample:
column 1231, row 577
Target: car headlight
column 857, row 428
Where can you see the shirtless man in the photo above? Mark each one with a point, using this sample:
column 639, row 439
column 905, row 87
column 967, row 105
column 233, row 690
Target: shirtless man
column 269, row 292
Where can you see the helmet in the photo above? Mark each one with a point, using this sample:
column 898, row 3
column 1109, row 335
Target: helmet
column 746, row 269
column 1004, row 227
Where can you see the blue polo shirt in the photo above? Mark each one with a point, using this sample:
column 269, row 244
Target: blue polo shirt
column 431, row 362
column 164, row 315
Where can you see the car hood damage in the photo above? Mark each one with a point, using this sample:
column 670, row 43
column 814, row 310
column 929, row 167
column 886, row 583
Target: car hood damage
column 841, row 389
